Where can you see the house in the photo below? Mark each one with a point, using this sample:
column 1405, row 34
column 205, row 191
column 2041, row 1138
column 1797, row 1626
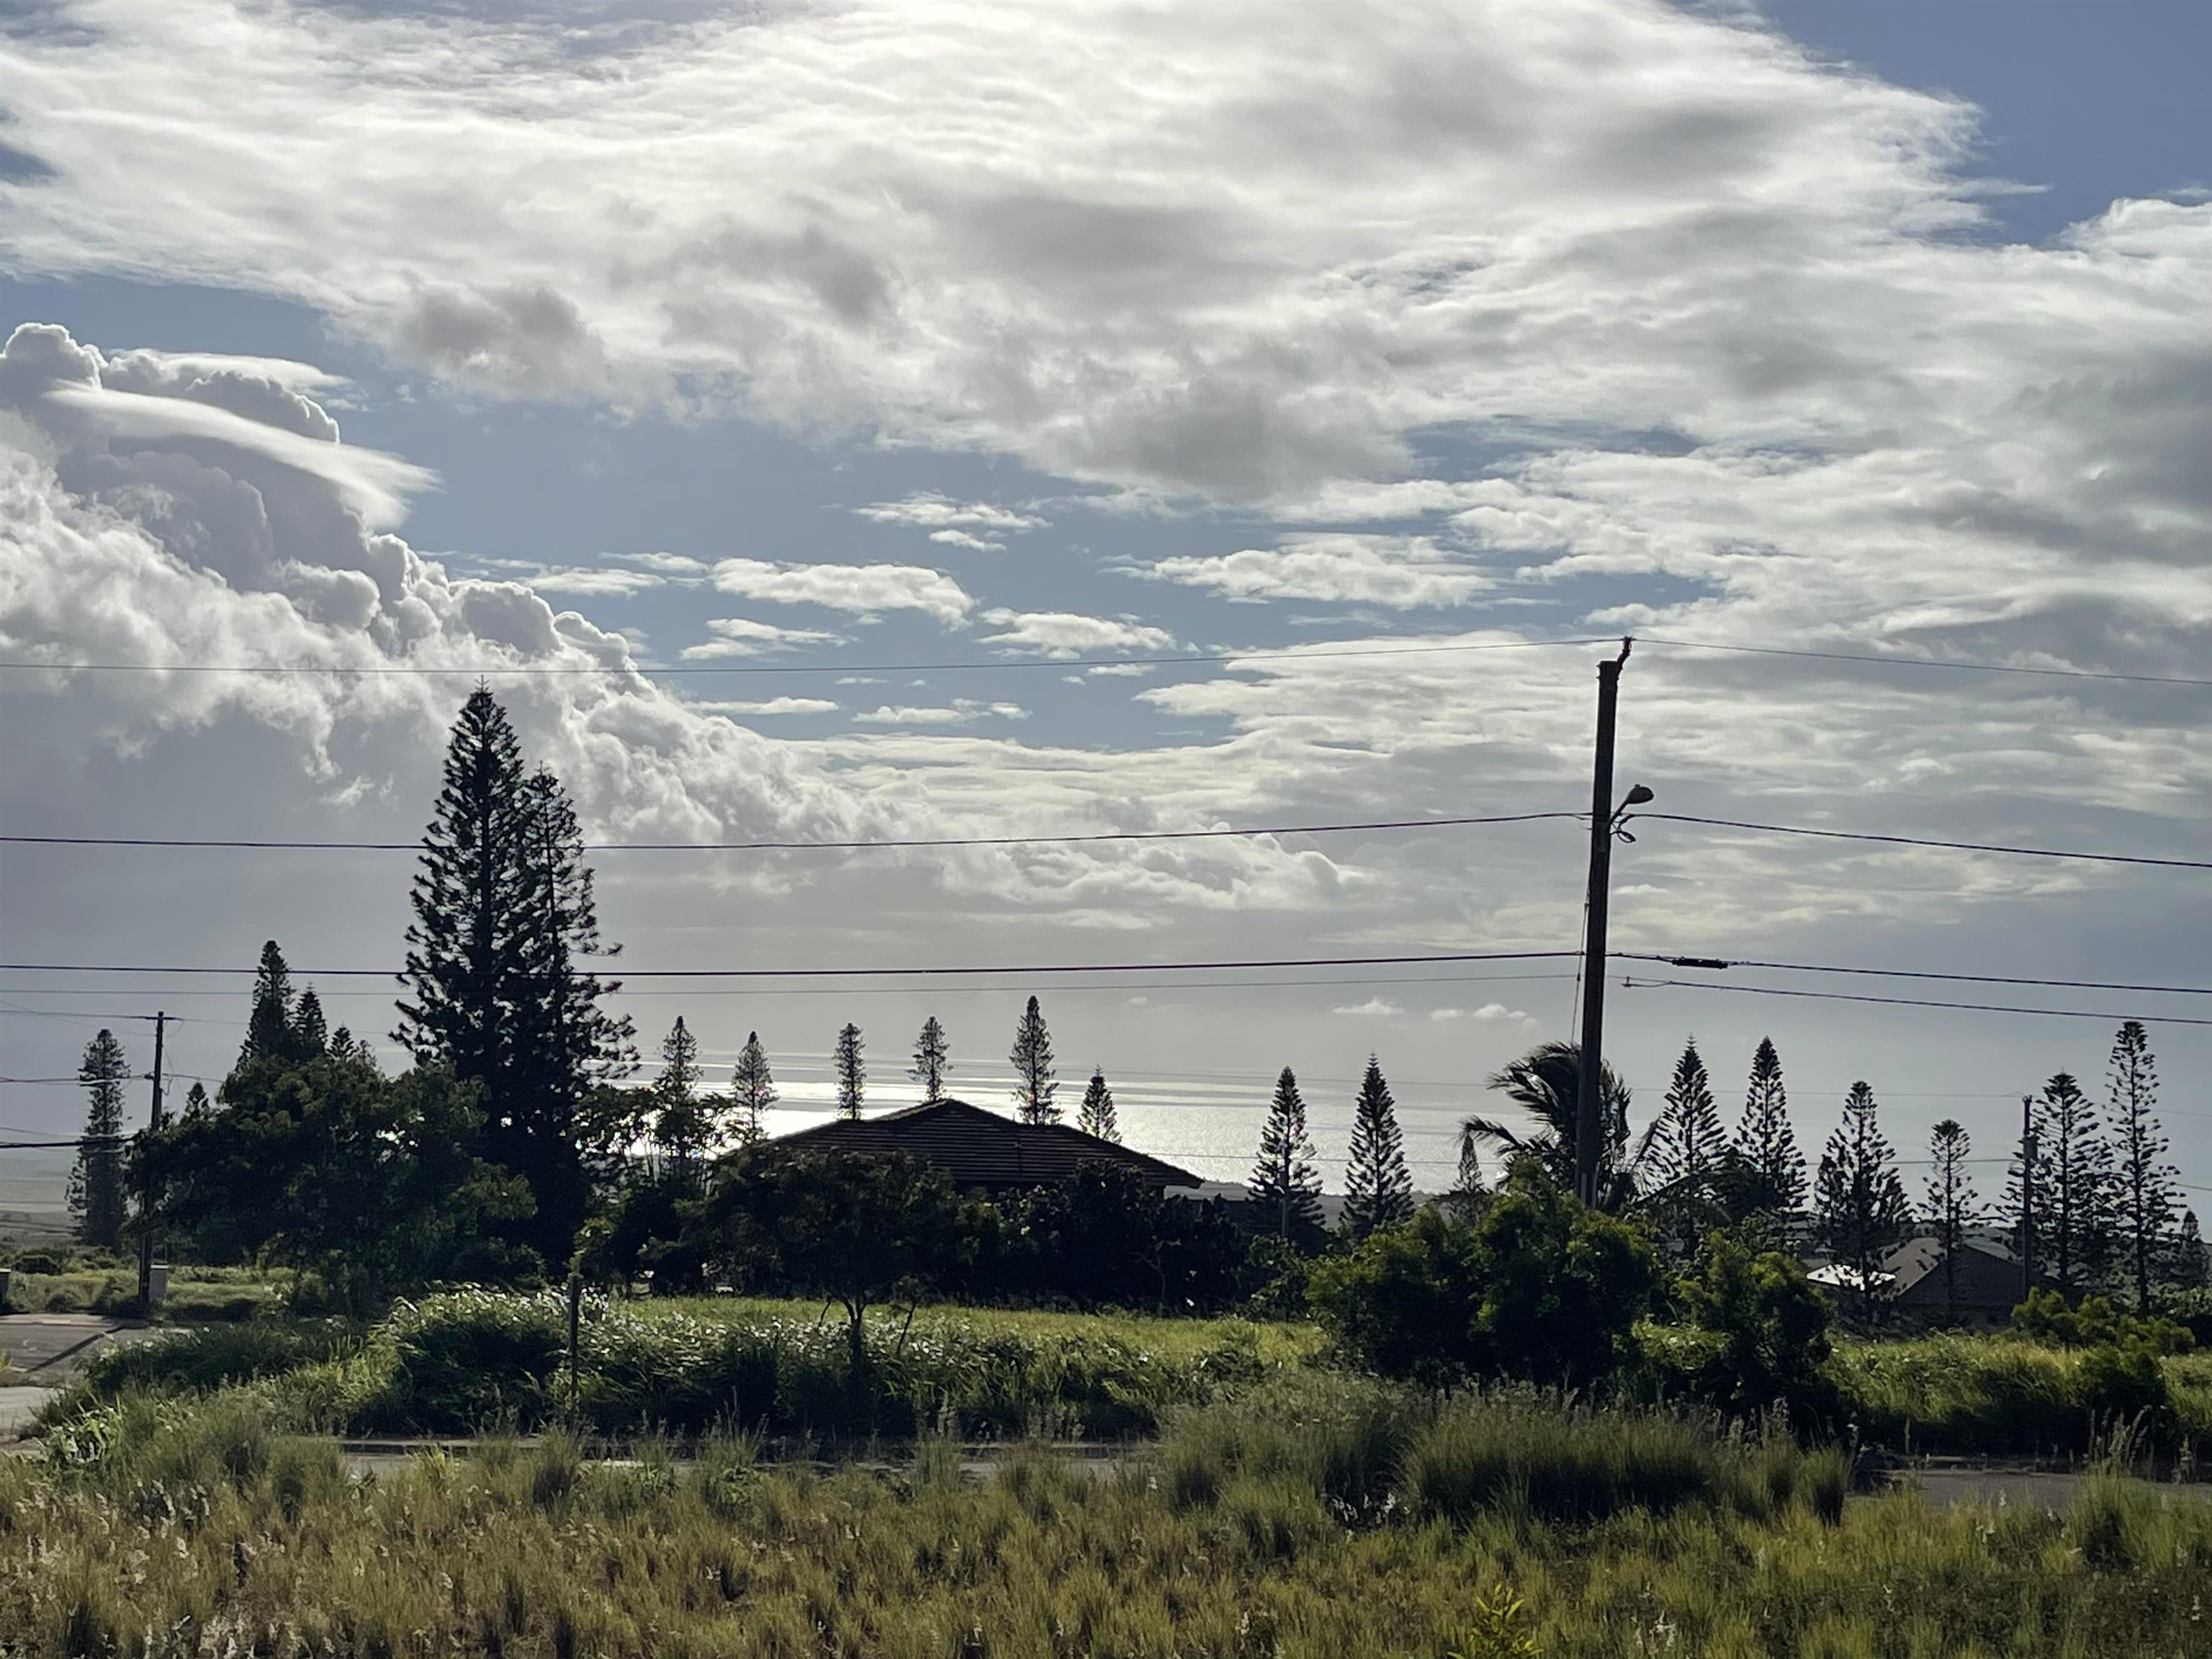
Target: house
column 1988, row 1280
column 983, row 1151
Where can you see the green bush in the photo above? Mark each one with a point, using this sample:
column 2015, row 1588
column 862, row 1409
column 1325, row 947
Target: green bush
column 1760, row 1337
column 206, row 1358
column 2046, row 1316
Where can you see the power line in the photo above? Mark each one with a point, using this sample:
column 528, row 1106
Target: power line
column 1901, row 1002
column 1920, row 662
column 484, row 670
column 1914, row 973
column 940, row 971
column 1922, row 840
column 808, row 846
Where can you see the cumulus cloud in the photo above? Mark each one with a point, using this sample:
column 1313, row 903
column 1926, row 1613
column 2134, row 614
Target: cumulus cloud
column 979, row 527
column 1068, row 634
column 962, row 711
column 866, row 590
column 1401, row 572
column 741, row 636
column 1489, row 1012
column 1376, row 1007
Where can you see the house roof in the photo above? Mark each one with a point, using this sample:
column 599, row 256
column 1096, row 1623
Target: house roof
column 982, row 1148
column 1988, row 1277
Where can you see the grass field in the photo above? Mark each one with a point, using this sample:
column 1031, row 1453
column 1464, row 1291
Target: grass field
column 1321, row 1520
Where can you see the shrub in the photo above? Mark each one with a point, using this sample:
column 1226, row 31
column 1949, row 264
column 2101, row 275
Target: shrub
column 1769, row 1335
column 2046, row 1316
column 206, row 1358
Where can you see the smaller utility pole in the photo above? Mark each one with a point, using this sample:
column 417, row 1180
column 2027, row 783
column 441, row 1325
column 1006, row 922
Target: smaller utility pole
column 2026, row 1195
column 1588, row 1117
column 148, row 1195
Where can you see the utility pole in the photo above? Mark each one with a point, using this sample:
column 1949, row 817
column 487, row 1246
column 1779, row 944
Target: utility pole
column 147, row 1196
column 2026, row 1195
column 1588, row 1117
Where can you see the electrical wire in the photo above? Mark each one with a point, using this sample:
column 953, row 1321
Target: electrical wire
column 1291, row 651
column 1919, row 662
column 1914, row 973
column 1901, row 1002
column 810, row 846
column 1923, row 840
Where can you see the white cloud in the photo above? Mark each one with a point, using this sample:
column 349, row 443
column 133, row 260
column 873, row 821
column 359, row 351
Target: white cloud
column 866, row 590
column 1376, row 1007
column 676, row 567
column 1489, row 1012
column 768, row 705
column 585, row 581
column 1402, row 571
column 979, row 527
column 1068, row 634
column 741, row 636
column 962, row 712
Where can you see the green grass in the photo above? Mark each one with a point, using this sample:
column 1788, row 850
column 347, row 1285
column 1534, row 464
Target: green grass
column 197, row 1295
column 189, row 1530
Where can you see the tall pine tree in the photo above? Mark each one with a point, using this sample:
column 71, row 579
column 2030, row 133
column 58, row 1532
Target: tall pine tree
column 503, row 907
column 2072, row 1188
column 96, row 1196
column 1096, row 1116
column 311, row 1033
column 1858, row 1198
column 2146, row 1189
column 1765, row 1144
column 1952, row 1200
column 931, row 1059
column 1686, row 1142
column 682, row 1122
column 1285, row 1185
column 1378, row 1192
column 269, row 1031
column 1032, row 1058
column 752, row 1090
column 852, row 1073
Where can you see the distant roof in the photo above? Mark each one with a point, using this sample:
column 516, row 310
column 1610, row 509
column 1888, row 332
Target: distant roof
column 978, row 1147
column 1987, row 1276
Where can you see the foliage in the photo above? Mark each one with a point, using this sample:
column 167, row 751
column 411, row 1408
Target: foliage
column 1534, row 1287
column 1378, row 1190
column 1032, row 1061
column 172, row 1532
column 1546, row 1082
column 1953, row 1203
column 1285, row 1186
column 97, row 1200
column 1108, row 1237
column 931, row 1059
column 1765, row 1144
column 852, row 1072
column 1770, row 1334
column 2145, row 1189
column 2046, row 1316
column 682, row 1123
column 1858, row 1198
column 365, row 1180
column 503, row 911
column 857, row 1227
column 2072, row 1188
column 752, row 1090
column 1096, row 1116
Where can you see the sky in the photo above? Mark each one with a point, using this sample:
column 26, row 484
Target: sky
column 856, row 421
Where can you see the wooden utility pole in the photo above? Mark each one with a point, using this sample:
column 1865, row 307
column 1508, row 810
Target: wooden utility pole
column 146, row 1194
column 2026, row 1195
column 1588, row 1115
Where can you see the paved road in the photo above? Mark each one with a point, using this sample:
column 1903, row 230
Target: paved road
column 48, row 1349
column 2035, row 1489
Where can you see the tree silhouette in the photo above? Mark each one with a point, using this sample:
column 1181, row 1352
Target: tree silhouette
column 1686, row 1139
column 2147, row 1187
column 1952, row 1200
column 2072, row 1172
column 269, row 1034
column 311, row 1034
column 752, row 1090
column 1544, row 1083
column 1032, row 1058
column 96, row 1196
column 851, row 1074
column 1284, row 1184
column 1378, row 1192
column 1858, row 1196
column 1096, row 1116
column 682, row 1123
column 1765, row 1144
column 931, row 1060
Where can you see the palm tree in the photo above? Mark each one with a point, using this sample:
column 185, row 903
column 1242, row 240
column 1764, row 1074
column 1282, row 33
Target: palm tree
column 1545, row 1083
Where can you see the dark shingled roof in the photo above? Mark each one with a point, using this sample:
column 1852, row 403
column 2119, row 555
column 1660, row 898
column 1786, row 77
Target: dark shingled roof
column 980, row 1148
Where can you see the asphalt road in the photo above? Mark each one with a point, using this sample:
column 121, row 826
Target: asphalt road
column 44, row 1351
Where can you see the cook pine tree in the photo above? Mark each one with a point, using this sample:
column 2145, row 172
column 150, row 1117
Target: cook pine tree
column 1953, row 1203
column 504, row 911
column 269, row 1033
column 1032, row 1059
column 1858, row 1198
column 1285, row 1187
column 1378, row 1190
column 931, row 1059
column 1687, row 1143
column 2146, row 1189
column 2072, row 1173
column 752, row 1091
column 1765, row 1144
column 852, row 1072
column 96, row 1198
column 682, row 1123
column 1096, row 1116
